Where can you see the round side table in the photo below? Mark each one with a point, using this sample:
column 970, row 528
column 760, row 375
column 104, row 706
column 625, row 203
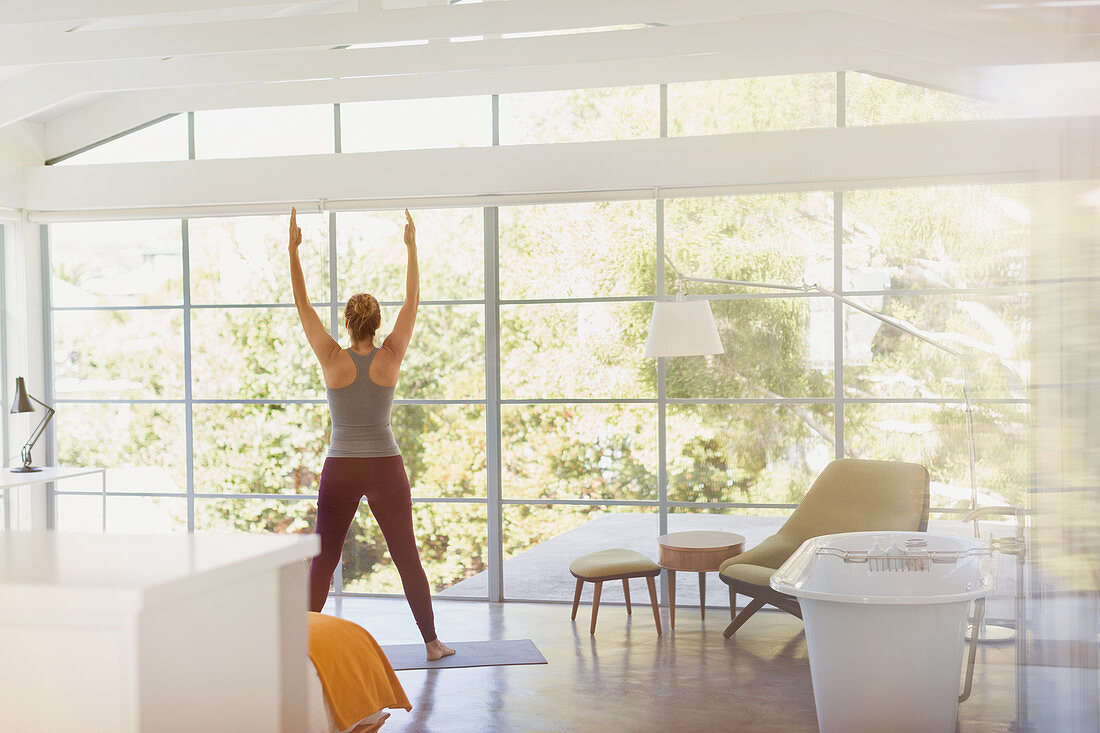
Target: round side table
column 700, row 552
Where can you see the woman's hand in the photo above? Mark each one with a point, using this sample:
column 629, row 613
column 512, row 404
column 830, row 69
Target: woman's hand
column 296, row 231
column 410, row 230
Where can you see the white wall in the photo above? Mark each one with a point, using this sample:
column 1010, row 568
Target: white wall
column 24, row 349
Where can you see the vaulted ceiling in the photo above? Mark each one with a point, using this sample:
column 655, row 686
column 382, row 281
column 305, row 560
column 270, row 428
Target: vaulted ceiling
column 87, row 69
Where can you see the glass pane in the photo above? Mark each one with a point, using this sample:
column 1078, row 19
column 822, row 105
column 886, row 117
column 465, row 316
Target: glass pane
column 872, row 100
column 575, row 350
column 125, row 514
column 443, row 447
column 935, row 437
column 768, row 454
column 577, row 250
column 774, row 347
column 446, row 359
column 783, row 238
column 245, row 259
column 752, row 105
column 230, row 516
column 264, row 131
column 116, row 263
column 579, row 451
column 259, row 449
column 539, row 542
column 114, row 354
column 399, row 124
column 143, row 444
column 936, row 237
column 452, row 542
column 450, row 247
column 580, row 115
column 252, row 353
column 993, row 332
column 166, row 140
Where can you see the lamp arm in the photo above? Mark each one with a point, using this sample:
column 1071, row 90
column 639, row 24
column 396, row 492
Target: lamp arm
column 37, row 431
column 743, row 283
column 898, row 324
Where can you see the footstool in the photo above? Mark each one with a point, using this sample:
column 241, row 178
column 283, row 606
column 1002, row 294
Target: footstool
column 615, row 564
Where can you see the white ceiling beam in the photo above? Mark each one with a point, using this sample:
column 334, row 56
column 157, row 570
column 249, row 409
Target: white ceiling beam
column 35, row 91
column 46, row 11
column 963, row 19
column 956, row 49
column 123, row 111
column 844, row 158
column 19, row 45
column 61, row 83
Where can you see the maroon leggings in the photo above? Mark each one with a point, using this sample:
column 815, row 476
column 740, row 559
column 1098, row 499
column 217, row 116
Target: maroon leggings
column 344, row 481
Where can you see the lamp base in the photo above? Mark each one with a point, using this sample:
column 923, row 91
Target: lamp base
column 26, row 469
column 992, row 633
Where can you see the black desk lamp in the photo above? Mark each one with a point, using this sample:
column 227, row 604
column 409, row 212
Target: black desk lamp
column 22, row 403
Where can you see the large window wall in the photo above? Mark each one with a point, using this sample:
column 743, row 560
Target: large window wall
column 525, row 411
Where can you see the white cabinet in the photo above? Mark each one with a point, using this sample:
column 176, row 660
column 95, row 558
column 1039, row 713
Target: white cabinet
column 153, row 633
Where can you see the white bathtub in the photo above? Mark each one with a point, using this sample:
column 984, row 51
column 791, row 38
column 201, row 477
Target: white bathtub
column 885, row 629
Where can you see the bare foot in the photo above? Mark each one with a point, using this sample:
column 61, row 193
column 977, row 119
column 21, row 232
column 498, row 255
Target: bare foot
column 438, row 650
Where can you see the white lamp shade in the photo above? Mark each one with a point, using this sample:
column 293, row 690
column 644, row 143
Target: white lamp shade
column 682, row 328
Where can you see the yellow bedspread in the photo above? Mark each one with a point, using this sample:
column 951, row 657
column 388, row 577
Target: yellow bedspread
column 357, row 678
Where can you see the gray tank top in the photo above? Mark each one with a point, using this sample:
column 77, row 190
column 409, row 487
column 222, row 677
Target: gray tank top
column 361, row 415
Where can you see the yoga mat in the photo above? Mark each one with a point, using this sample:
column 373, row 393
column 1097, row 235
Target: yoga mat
column 467, row 654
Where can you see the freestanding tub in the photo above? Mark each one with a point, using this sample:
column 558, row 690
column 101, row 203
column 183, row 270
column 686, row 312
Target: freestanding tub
column 885, row 616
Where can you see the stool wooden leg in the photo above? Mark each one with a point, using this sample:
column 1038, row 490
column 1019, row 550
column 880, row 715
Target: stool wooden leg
column 653, row 602
column 672, row 599
column 733, row 603
column 596, row 604
column 702, row 595
column 626, row 592
column 577, row 598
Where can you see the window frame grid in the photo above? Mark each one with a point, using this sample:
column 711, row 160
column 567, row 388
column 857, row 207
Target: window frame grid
column 492, row 303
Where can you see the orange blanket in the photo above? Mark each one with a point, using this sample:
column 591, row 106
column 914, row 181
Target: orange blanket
column 356, row 675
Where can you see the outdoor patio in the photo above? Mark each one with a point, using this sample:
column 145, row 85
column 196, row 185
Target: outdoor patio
column 542, row 572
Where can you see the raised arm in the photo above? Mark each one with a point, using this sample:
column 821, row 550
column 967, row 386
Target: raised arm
column 322, row 343
column 394, row 347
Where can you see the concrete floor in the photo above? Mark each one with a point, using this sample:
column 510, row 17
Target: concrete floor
column 626, row 678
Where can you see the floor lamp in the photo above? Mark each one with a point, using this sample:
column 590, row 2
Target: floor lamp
column 684, row 327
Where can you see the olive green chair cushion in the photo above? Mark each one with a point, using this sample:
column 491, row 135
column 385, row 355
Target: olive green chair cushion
column 613, row 563
column 755, row 574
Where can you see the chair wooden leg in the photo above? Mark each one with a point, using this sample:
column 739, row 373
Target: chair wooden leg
column 577, row 598
column 653, row 603
column 626, row 592
column 755, row 605
column 733, row 603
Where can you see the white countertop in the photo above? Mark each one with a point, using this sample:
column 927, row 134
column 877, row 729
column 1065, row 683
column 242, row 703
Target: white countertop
column 10, row 478
column 65, row 571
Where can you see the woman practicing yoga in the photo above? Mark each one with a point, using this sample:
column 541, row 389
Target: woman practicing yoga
column 363, row 458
